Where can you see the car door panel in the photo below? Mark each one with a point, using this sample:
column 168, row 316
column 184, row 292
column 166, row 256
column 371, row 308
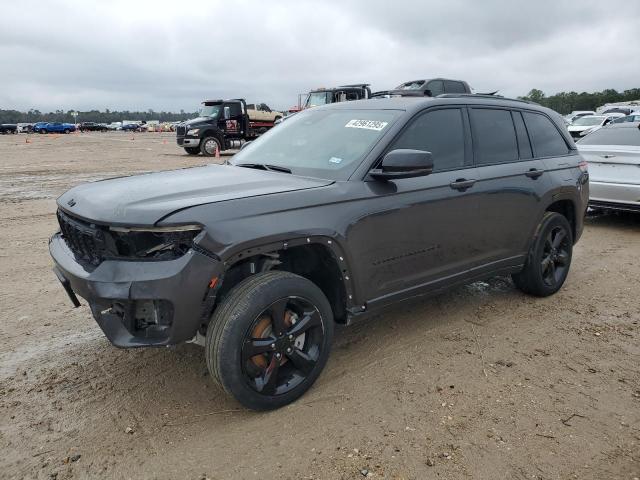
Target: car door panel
column 417, row 232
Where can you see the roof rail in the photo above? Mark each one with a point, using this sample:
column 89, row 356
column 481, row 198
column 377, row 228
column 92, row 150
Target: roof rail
column 483, row 95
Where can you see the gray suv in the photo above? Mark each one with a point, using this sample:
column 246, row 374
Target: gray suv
column 328, row 217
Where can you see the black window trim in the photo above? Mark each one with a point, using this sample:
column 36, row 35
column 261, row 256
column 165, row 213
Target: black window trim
column 468, row 150
column 570, row 151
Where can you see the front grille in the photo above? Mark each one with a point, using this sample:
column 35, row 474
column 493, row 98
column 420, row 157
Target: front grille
column 181, row 130
column 85, row 240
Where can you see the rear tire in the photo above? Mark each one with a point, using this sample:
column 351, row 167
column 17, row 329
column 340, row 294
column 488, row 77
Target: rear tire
column 549, row 259
column 263, row 362
column 192, row 150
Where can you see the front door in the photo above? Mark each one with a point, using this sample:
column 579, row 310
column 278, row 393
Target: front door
column 233, row 120
column 420, row 232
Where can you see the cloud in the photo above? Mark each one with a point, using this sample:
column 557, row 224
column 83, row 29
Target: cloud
column 170, row 56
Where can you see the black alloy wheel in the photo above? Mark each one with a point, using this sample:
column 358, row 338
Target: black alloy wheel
column 282, row 346
column 269, row 339
column 549, row 258
column 555, row 257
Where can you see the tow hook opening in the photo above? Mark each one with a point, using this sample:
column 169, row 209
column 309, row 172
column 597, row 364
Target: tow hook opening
column 151, row 318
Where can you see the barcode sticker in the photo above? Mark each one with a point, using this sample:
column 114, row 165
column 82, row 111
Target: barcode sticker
column 366, row 124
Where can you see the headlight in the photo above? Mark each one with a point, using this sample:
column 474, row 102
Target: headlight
column 193, row 132
column 154, row 243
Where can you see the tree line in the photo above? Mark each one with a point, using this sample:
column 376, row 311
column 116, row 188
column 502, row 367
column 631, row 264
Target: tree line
column 108, row 116
column 563, row 102
column 567, row 102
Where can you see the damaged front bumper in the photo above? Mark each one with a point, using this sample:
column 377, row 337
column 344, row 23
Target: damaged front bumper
column 140, row 303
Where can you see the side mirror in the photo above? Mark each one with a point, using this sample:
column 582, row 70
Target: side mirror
column 428, row 93
column 404, row 163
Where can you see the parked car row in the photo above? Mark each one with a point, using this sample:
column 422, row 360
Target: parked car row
column 613, row 156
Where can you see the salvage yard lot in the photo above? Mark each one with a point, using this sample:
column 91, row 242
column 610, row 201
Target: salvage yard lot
column 481, row 382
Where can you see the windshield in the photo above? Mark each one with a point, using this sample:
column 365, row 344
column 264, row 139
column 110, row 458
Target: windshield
column 322, row 143
column 210, row 110
column 316, row 98
column 411, row 85
column 588, row 121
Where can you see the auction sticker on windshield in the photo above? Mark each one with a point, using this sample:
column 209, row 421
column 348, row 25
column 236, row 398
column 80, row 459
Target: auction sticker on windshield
column 366, row 124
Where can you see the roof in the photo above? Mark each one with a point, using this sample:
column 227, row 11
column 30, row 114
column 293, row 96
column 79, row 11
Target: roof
column 419, row 103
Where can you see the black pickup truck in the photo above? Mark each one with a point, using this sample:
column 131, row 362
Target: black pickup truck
column 340, row 211
column 220, row 125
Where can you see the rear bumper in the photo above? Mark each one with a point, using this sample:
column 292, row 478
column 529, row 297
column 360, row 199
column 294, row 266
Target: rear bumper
column 140, row 303
column 621, row 196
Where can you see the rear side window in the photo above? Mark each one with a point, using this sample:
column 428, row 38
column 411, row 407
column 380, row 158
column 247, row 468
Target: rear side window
column 454, row 87
column 523, row 139
column 545, row 137
column 494, row 136
column 440, row 132
column 613, row 136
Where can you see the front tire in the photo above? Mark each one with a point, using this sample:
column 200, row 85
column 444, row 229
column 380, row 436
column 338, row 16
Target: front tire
column 192, row 150
column 66, row 131
column 549, row 259
column 269, row 339
column 208, row 146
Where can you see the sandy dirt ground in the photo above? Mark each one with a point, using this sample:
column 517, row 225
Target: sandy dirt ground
column 482, row 382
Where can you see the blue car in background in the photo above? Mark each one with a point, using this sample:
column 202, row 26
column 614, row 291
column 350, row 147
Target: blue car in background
column 54, row 127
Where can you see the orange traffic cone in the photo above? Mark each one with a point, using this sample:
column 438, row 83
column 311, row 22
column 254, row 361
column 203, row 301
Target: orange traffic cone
column 217, row 152
column 26, row 140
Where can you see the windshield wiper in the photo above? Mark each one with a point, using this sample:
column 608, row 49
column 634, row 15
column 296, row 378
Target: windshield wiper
column 265, row 166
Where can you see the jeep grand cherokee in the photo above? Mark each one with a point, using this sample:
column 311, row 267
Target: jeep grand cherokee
column 332, row 215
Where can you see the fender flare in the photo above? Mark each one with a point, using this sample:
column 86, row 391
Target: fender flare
column 328, row 242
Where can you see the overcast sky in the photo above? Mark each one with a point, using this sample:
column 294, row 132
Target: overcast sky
column 137, row 54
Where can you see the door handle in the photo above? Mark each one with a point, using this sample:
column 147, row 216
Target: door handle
column 534, row 173
column 462, row 184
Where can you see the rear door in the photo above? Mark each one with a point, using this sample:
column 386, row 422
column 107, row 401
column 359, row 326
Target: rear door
column 511, row 183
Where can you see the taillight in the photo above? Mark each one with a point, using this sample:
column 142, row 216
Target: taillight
column 583, row 166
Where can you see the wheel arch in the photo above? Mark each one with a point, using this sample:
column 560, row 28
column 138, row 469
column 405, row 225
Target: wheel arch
column 568, row 208
column 320, row 259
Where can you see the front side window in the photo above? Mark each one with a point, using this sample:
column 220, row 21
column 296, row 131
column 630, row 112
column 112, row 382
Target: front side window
column 494, row 136
column 440, row 132
column 546, row 140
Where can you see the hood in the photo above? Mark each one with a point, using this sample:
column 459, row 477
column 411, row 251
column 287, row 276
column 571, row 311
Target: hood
column 198, row 121
column 145, row 199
